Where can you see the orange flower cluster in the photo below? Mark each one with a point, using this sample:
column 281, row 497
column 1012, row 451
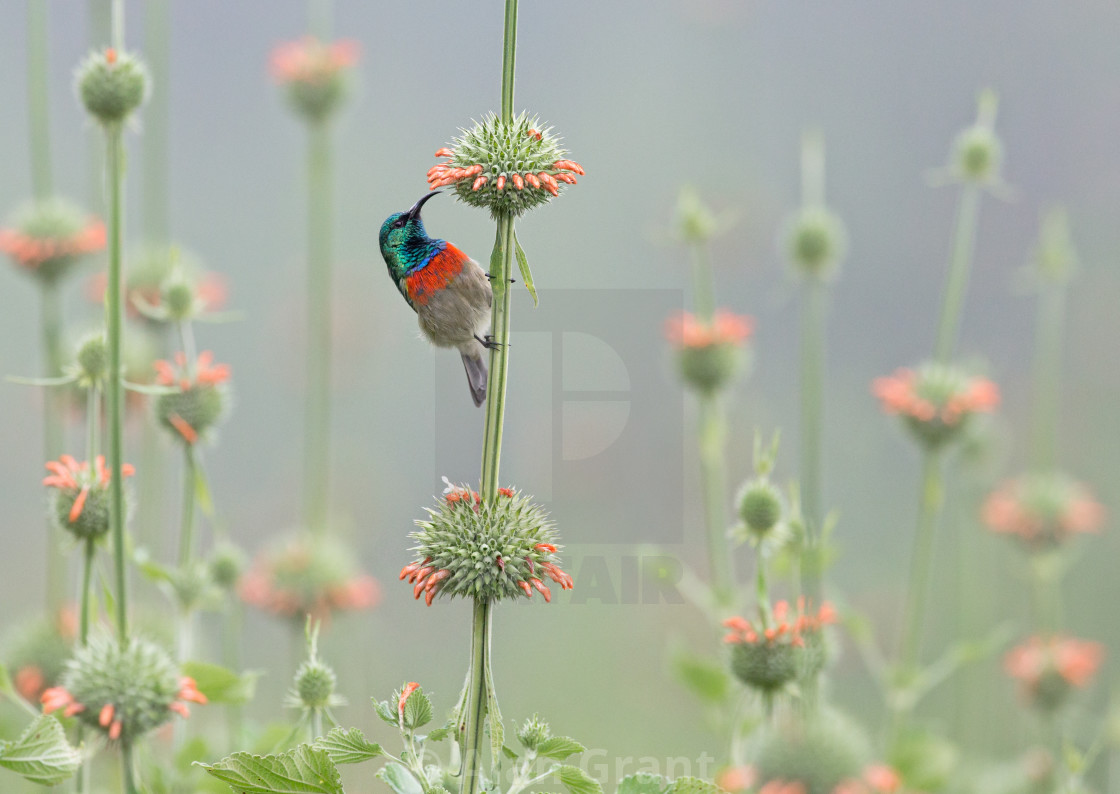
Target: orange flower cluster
column 686, row 331
column 309, row 60
column 900, row 394
column 205, row 371
column 446, row 174
column 876, row 779
column 1042, row 511
column 786, row 626
column 58, row 697
column 1075, row 661
column 31, row 252
column 67, row 474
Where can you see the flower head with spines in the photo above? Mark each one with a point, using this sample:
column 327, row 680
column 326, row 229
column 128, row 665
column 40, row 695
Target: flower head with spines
column 80, row 503
column 47, row 238
column 506, row 168
column 485, row 550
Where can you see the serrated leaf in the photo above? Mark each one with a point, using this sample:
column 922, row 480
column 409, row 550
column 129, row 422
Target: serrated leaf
column 221, row 685
column 384, row 712
column 417, row 710
column 41, row 754
column 643, row 783
column 304, row 770
column 526, row 273
column 693, row 785
column 577, row 781
column 707, row 679
column 510, row 754
column 439, row 734
column 348, row 746
column 399, row 779
column 559, row 747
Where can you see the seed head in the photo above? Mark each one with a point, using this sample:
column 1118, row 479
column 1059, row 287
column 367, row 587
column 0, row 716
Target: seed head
column 815, row 241
column 123, row 692
column 91, row 363
column 112, row 85
column 936, row 401
column 484, row 550
column 709, row 354
column 47, row 238
column 760, row 506
column 506, row 168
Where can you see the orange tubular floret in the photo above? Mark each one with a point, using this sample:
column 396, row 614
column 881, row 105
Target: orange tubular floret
column 528, row 590
column 110, row 56
column 479, row 182
column 115, row 730
column 188, row 690
column 506, row 492
column 474, row 169
column 436, row 578
column 532, row 180
column 72, row 709
column 79, row 503
column 551, row 549
column 444, row 152
column 409, row 688
column 180, row 708
column 501, row 183
column 418, row 588
column 106, row 715
column 542, row 588
column 55, row 698
column 189, row 434
column 428, row 596
column 518, row 182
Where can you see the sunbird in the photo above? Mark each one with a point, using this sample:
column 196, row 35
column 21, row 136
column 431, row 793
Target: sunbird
column 448, row 290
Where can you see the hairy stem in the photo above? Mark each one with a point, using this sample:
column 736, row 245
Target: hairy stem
column 1047, row 376
column 812, row 429
column 318, row 369
column 115, row 168
column 712, row 434
column 474, row 719
column 964, row 245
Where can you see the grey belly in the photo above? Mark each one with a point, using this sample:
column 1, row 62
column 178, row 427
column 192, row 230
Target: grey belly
column 454, row 315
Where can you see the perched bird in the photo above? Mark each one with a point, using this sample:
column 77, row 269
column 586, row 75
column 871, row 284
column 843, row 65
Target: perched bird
column 448, row 290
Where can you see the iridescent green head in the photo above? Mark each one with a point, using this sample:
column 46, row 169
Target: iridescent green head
column 405, row 243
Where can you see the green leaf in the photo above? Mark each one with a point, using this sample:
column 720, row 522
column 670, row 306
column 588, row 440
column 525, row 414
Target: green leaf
column 62, row 380
column 705, row 678
column 399, row 779
column 693, row 785
column 439, row 734
column 152, row 389
column 526, row 273
column 577, row 781
column 417, row 710
column 384, row 711
column 643, row 783
column 559, row 747
column 348, row 747
column 304, row 770
column 221, row 685
column 41, row 754
column 510, row 754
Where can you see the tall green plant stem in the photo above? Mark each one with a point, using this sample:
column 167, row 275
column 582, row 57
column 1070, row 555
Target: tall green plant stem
column 960, row 262
column 38, row 110
column 921, row 563
column 812, row 428
column 186, row 524
column 703, row 290
column 50, row 318
column 155, row 209
column 1047, row 375
column 479, row 675
column 114, row 168
column 317, row 457
column 712, row 433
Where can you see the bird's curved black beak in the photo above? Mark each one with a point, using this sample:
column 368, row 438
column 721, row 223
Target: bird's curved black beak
column 415, row 211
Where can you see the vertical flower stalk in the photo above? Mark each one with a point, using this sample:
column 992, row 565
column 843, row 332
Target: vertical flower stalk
column 815, row 241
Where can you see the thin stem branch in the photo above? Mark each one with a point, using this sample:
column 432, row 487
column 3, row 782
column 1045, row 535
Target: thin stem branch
column 186, row 524
column 53, row 412
column 37, row 99
column 115, row 164
column 922, row 560
column 712, row 433
column 1047, row 376
column 964, row 246
column 812, row 426
column 318, row 368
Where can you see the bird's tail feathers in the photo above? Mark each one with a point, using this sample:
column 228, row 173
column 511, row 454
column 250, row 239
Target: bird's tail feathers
column 475, row 365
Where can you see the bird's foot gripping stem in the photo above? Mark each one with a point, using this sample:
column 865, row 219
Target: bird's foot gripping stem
column 492, row 277
column 488, row 342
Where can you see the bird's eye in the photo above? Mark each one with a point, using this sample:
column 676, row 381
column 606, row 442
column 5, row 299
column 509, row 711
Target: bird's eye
column 398, row 223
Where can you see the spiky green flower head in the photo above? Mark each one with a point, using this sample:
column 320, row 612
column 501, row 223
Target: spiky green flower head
column 91, row 361
column 112, row 85
column 122, row 691
column 815, row 242
column 485, row 550
column 761, row 507
column 80, row 500
column 977, row 151
column 819, row 752
column 936, row 401
column 47, row 238
column 307, row 574
column 768, row 652
column 506, row 168
column 315, row 682
column 694, row 222
column 315, row 74
column 198, row 396
column 36, row 652
column 227, row 563
column 533, row 732
column 710, row 353
column 1042, row 510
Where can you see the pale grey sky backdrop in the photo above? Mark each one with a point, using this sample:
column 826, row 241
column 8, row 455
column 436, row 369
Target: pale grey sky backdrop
column 649, row 95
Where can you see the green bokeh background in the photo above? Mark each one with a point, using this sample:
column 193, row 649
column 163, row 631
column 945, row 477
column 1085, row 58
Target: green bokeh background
column 649, row 95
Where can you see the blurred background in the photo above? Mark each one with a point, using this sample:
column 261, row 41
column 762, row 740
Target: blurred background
column 649, row 96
